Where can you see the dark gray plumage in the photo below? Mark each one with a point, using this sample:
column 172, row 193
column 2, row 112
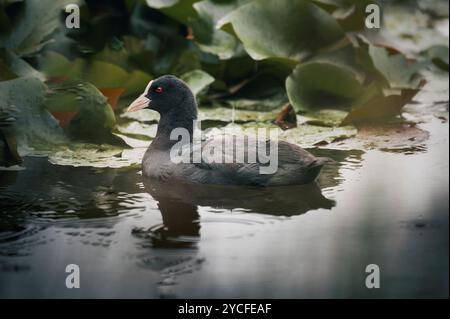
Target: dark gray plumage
column 176, row 104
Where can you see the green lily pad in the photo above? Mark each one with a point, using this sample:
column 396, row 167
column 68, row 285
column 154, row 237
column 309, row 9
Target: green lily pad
column 305, row 135
column 79, row 154
column 209, row 38
column 328, row 118
column 34, row 124
column 99, row 73
column 11, row 66
column 94, row 117
column 439, row 55
column 398, row 72
column 322, row 85
column 33, row 27
column 312, row 135
column 238, row 116
column 197, row 80
column 290, row 29
column 180, row 10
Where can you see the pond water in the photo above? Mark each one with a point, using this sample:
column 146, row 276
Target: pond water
column 135, row 238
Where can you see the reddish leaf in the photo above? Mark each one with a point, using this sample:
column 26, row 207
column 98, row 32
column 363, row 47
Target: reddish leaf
column 112, row 94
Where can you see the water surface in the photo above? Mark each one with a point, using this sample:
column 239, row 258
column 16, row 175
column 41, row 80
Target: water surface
column 132, row 237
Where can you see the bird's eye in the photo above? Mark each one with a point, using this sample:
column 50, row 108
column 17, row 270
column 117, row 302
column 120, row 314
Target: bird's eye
column 159, row 89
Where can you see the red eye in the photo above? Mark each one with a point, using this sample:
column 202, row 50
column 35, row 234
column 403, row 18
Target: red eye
column 159, row 89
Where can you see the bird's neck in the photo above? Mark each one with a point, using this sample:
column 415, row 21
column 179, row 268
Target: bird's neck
column 176, row 124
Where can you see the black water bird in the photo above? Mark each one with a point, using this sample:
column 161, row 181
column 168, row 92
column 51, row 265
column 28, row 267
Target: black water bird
column 176, row 104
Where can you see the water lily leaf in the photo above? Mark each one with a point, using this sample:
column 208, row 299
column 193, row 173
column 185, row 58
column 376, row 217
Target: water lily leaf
column 112, row 95
column 159, row 4
column 80, row 154
column 380, row 108
column 38, row 133
column 136, row 134
column 388, row 137
column 238, row 116
column 11, row 66
column 209, row 38
column 328, row 118
column 144, row 115
column 269, row 103
column 350, row 14
column 436, row 90
column 322, row 85
column 311, row 135
column 94, row 118
column 99, row 73
column 197, row 80
column 290, row 29
column 34, row 26
column 180, row 10
column 34, row 125
column 438, row 8
column 397, row 70
column 287, row 118
column 408, row 29
column 303, row 135
column 439, row 55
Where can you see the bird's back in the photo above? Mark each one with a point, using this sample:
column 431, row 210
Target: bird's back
column 238, row 161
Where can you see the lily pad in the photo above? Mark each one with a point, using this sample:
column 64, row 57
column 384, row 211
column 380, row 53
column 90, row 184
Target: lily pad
column 94, row 117
column 197, row 80
column 96, row 156
column 209, row 38
column 307, row 136
column 237, row 116
column 397, row 70
column 12, row 66
column 328, row 118
column 33, row 27
column 99, row 73
column 34, row 125
column 323, row 85
column 311, row 135
column 290, row 29
column 180, row 10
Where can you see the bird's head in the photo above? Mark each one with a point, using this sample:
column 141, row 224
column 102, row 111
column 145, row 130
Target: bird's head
column 167, row 95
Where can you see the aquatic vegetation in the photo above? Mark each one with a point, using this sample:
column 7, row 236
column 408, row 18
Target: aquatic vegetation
column 244, row 60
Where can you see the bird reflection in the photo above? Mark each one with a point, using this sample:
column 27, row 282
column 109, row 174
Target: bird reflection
column 179, row 204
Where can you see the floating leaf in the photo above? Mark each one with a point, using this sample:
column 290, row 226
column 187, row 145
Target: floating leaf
column 287, row 118
column 101, row 74
column 329, row 118
column 290, row 29
column 207, row 35
column 11, row 66
column 38, row 20
column 78, row 154
column 180, row 10
column 94, row 117
column 197, row 80
column 35, row 127
column 323, row 85
column 397, row 70
column 439, row 55
column 311, row 135
column 380, row 108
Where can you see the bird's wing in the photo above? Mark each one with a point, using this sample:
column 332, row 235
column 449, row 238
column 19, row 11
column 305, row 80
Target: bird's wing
column 244, row 158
